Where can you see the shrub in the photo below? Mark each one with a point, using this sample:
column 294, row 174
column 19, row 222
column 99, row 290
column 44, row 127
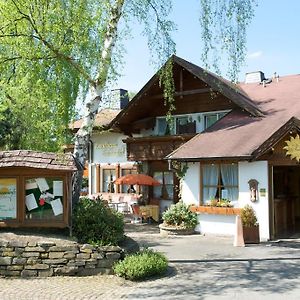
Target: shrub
column 141, row 265
column 248, row 216
column 95, row 223
column 179, row 215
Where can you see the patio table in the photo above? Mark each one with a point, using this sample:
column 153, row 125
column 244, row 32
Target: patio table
column 151, row 211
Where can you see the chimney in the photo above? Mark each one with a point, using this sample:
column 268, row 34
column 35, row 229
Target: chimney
column 255, row 77
column 119, row 98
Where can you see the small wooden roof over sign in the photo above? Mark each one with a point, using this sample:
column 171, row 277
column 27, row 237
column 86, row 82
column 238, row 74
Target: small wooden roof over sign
column 39, row 160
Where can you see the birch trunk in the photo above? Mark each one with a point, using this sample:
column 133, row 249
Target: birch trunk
column 96, row 89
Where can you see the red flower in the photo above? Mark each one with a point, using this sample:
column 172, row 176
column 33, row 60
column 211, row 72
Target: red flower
column 42, row 202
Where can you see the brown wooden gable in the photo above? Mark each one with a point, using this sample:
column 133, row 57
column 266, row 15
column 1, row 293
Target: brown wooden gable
column 196, row 90
column 272, row 149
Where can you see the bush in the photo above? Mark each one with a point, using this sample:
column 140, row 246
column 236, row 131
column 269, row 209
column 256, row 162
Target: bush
column 141, row 265
column 248, row 216
column 95, row 223
column 179, row 215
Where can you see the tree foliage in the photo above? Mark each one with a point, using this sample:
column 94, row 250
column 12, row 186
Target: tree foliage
column 224, row 25
column 54, row 52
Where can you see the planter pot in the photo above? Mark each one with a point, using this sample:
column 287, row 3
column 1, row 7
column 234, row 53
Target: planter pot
column 166, row 230
column 251, row 235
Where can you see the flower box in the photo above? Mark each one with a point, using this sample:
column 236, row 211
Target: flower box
column 215, row 210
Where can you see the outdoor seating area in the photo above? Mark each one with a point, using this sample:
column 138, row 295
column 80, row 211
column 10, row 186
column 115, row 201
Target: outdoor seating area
column 129, row 205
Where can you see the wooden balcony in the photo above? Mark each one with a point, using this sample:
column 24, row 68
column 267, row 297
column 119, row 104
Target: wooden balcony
column 154, row 147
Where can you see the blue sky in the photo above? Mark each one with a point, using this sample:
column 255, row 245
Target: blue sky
column 273, row 42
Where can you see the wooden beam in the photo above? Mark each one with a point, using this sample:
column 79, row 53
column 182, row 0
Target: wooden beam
column 186, row 93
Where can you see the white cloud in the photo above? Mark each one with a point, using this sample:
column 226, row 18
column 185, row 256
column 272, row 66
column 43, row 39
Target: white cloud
column 255, row 55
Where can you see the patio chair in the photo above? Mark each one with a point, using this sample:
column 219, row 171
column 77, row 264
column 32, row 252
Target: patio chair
column 139, row 216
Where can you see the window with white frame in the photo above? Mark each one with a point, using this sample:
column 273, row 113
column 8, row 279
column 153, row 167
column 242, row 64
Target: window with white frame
column 108, row 177
column 219, row 181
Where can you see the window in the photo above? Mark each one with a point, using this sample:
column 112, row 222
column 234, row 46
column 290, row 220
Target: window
column 220, row 181
column 211, row 119
column 123, row 173
column 166, row 189
column 44, row 198
column 8, row 198
column 164, row 128
column 108, row 177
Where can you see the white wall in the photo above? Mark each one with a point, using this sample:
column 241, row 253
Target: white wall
column 222, row 224
column 191, row 184
column 216, row 224
column 259, row 171
column 109, row 148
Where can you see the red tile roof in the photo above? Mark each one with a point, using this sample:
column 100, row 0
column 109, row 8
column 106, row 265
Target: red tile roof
column 239, row 134
column 39, row 160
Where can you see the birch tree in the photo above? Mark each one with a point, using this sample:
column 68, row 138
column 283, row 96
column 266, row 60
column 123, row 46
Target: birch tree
column 53, row 52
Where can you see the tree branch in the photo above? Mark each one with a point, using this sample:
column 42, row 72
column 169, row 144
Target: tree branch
column 6, row 59
column 57, row 53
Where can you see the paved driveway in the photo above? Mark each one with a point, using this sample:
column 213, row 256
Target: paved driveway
column 200, row 268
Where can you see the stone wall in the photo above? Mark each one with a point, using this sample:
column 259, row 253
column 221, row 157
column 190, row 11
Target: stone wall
column 44, row 259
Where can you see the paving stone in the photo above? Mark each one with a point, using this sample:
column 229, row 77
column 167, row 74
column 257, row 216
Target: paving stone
column 3, row 243
column 19, row 261
column 29, row 273
column 45, row 273
column 70, row 254
column 30, row 254
column 9, row 253
column 45, row 244
column 63, row 248
column 44, row 255
column 87, row 248
column 5, row 261
column 105, row 263
column 66, row 270
column 10, row 273
column 15, row 268
column 55, row 261
column 98, row 255
column 37, row 267
column 113, row 255
column 35, row 249
column 17, row 243
column 32, row 243
column 33, row 260
column 110, row 248
column 56, row 255
column 83, row 256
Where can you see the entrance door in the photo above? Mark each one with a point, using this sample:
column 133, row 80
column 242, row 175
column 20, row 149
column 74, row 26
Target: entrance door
column 286, row 197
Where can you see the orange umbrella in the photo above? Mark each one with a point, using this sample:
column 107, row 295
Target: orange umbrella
column 139, row 179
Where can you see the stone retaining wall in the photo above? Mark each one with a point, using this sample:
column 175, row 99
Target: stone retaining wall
column 44, row 259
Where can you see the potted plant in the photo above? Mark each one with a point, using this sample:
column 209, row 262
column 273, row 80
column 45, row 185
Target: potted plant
column 250, row 225
column 178, row 219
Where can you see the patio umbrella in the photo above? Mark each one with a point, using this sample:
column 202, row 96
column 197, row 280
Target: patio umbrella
column 139, row 179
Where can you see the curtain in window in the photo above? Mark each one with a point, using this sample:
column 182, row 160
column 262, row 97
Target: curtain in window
column 230, row 180
column 210, row 182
